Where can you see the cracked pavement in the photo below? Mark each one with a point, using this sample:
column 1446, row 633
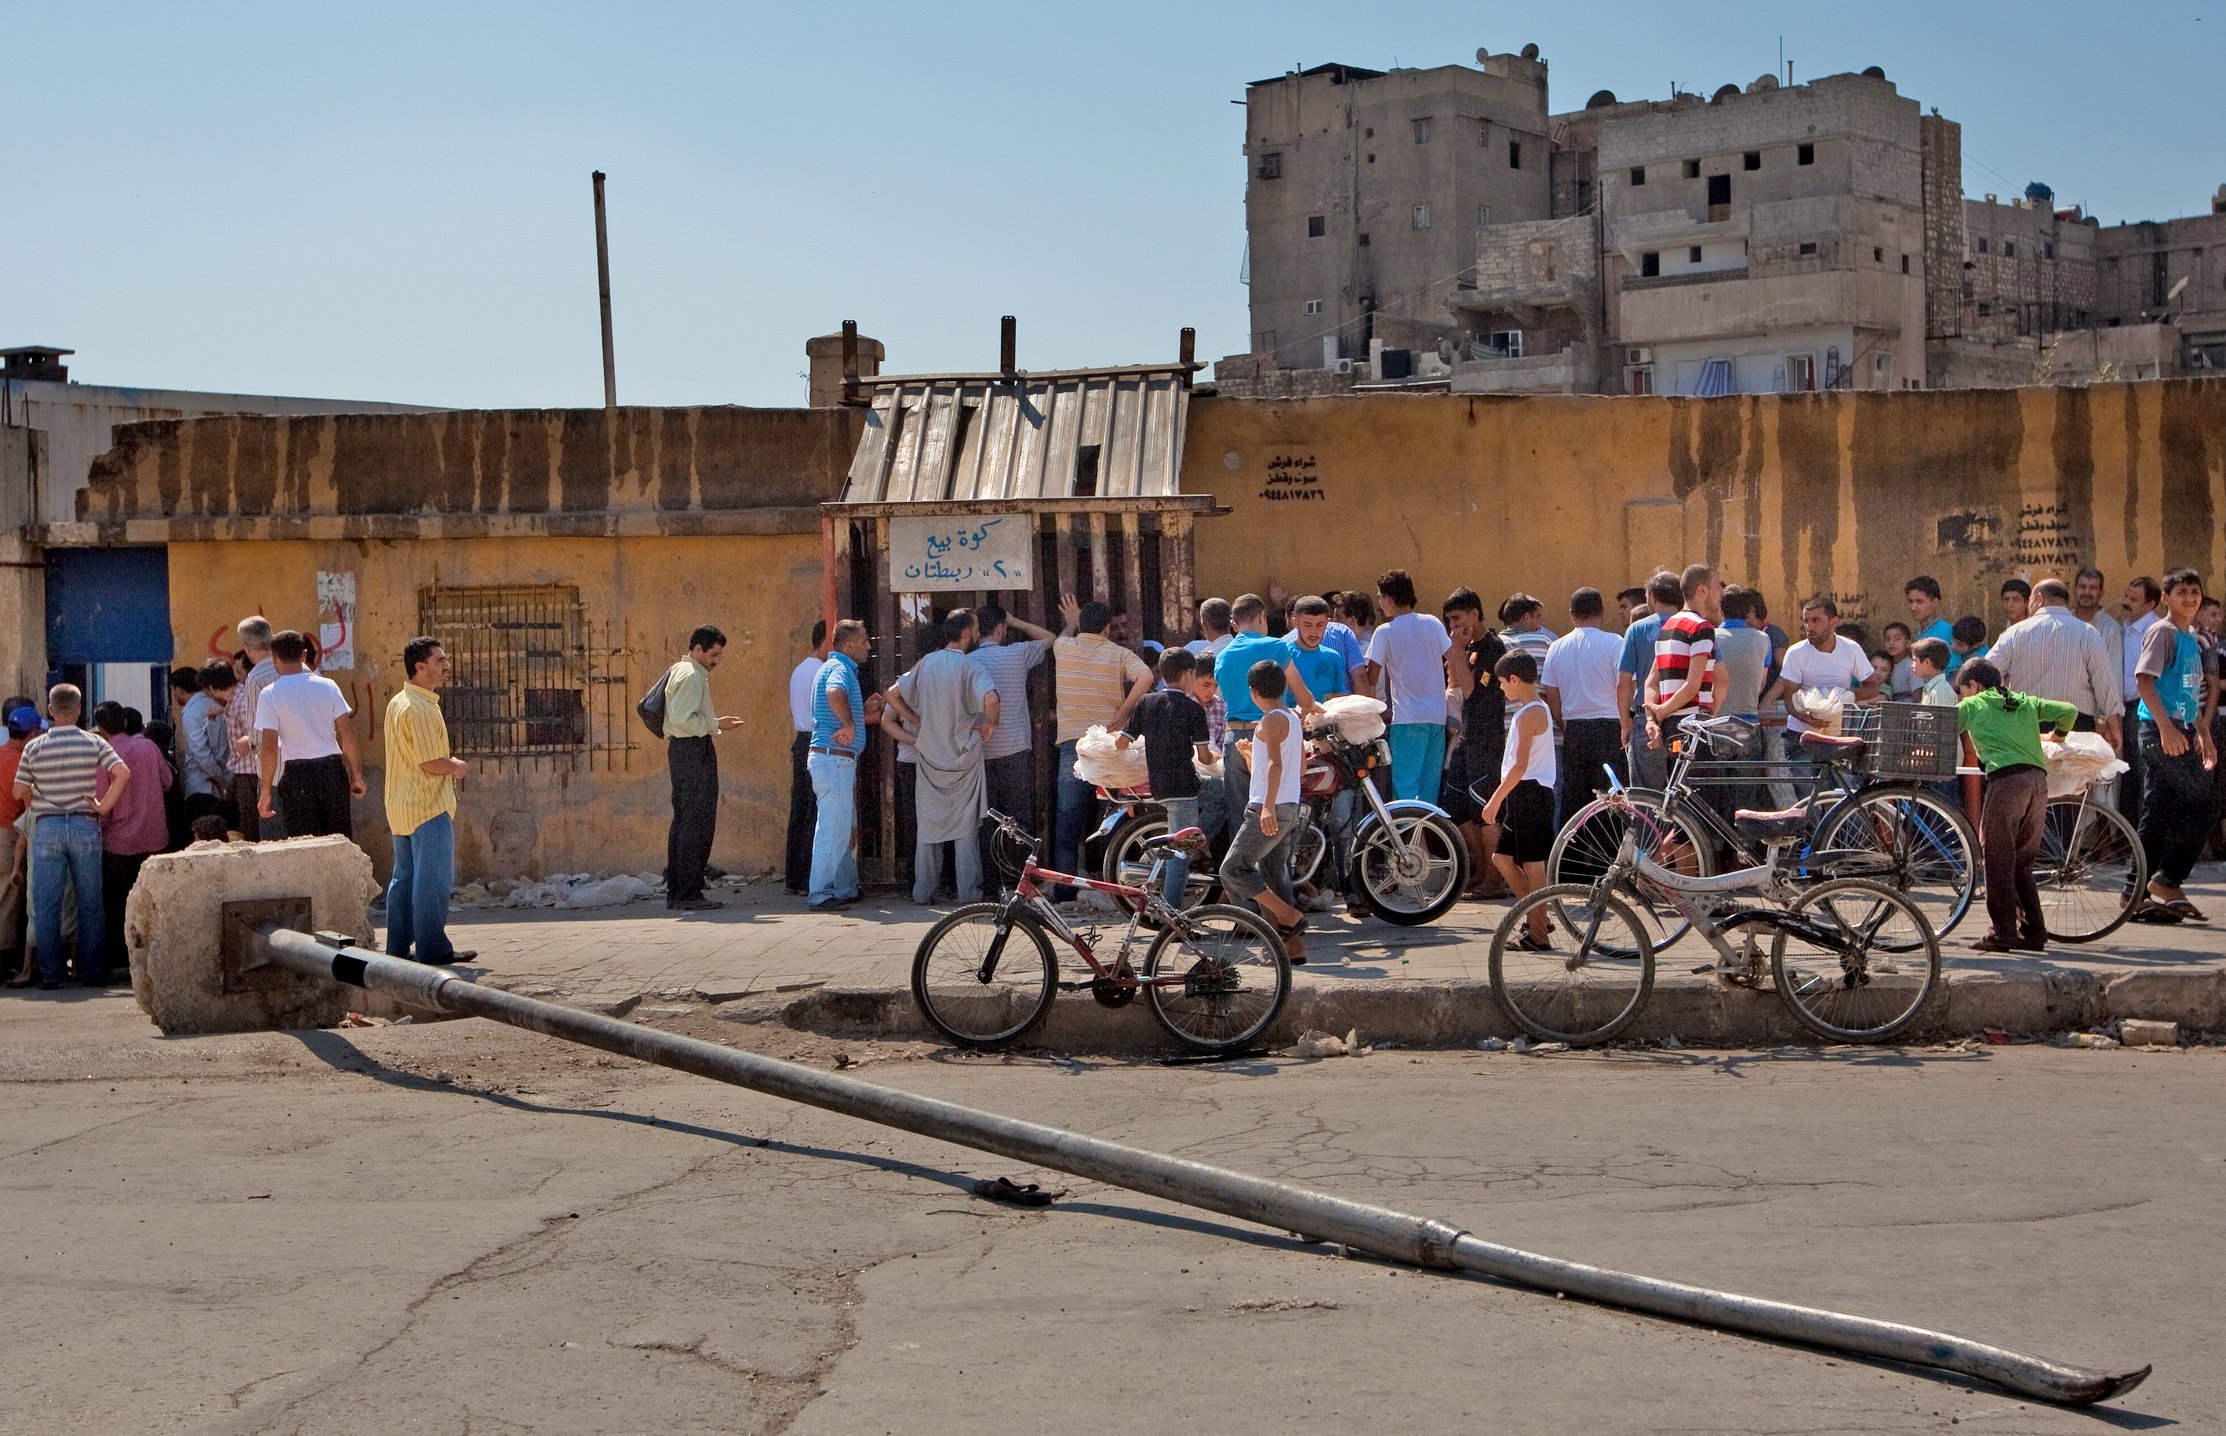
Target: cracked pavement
column 460, row 1228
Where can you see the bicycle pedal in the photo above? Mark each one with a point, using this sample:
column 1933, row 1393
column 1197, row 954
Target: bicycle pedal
column 1082, row 986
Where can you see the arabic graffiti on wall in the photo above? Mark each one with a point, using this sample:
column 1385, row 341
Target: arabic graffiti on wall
column 966, row 552
column 1292, row 479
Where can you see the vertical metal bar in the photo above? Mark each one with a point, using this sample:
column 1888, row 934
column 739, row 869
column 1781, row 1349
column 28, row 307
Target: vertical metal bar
column 1132, row 575
column 1008, row 354
column 603, row 291
column 849, row 371
column 1101, row 567
column 1186, row 353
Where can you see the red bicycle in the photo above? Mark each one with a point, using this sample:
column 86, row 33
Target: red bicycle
column 1215, row 975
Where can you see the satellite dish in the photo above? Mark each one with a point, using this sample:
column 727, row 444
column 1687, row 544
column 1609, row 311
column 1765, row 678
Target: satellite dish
column 1530, row 52
column 2175, row 291
column 1483, row 53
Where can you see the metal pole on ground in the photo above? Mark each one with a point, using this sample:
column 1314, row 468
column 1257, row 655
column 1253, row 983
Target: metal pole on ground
column 1379, row 1231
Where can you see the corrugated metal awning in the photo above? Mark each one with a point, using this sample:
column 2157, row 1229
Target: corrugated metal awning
column 1086, row 433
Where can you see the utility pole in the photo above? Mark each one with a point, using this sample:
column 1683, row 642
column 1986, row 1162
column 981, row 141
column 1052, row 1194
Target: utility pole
column 603, row 289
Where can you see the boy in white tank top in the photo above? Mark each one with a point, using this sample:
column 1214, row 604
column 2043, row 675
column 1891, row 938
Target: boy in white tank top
column 1523, row 804
column 1258, row 865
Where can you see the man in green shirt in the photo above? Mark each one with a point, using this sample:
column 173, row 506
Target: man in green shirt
column 690, row 727
column 2005, row 727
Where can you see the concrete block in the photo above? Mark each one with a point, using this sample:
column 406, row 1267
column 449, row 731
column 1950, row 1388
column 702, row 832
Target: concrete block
column 172, row 931
column 2193, row 997
column 2146, row 1032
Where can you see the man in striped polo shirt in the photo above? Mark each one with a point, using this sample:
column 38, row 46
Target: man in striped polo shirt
column 57, row 777
column 1682, row 684
column 239, row 722
column 421, row 779
column 1098, row 683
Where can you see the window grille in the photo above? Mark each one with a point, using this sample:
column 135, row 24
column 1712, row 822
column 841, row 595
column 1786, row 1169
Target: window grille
column 528, row 678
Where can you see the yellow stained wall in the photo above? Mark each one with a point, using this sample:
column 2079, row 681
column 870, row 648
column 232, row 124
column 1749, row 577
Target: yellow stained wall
column 1851, row 493
column 601, row 813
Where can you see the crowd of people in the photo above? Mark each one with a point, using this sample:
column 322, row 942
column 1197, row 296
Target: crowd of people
column 263, row 748
column 1508, row 725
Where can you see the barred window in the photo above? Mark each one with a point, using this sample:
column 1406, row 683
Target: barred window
column 521, row 682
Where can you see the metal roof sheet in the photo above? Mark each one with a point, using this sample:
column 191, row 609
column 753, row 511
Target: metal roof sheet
column 1103, row 433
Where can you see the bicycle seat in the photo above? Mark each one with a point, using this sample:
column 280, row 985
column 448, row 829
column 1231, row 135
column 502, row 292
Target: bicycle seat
column 1168, row 840
column 1786, row 823
column 1827, row 748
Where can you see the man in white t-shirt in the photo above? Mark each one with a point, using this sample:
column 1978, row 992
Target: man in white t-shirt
column 1823, row 659
column 1578, row 684
column 803, row 808
column 301, row 721
column 1407, row 667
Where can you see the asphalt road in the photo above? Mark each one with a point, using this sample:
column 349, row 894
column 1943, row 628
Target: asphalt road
column 460, row 1228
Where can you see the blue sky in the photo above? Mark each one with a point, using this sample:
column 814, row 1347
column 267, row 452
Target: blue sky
column 391, row 201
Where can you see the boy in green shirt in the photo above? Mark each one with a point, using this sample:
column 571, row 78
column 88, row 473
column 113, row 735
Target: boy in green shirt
column 2005, row 727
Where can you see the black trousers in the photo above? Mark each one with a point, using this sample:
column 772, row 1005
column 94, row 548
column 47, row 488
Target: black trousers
column 313, row 798
column 695, row 815
column 1587, row 745
column 1011, row 784
column 803, row 817
column 118, row 871
column 2129, row 782
column 2178, row 806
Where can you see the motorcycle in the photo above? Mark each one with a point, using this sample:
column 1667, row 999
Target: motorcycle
column 1408, row 860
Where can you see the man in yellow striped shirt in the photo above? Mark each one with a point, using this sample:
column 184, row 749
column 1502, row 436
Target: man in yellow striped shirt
column 421, row 810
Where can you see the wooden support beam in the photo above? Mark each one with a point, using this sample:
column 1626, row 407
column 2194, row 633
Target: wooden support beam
column 1101, row 567
column 1174, row 619
column 1132, row 575
column 1178, row 551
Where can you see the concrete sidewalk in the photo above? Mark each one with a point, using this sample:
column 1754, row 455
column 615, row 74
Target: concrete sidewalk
column 764, row 958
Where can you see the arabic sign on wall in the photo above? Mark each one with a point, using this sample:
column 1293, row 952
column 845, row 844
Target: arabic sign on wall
column 931, row 554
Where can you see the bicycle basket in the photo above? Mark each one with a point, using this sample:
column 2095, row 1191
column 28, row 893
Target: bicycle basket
column 1011, row 848
column 1917, row 742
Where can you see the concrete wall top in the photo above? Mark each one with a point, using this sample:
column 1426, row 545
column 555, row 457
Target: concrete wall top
column 544, row 470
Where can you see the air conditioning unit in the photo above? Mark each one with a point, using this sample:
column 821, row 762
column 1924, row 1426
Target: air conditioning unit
column 1639, row 355
column 1344, row 366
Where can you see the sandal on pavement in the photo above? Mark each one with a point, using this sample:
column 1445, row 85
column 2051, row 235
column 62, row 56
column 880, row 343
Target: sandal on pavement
column 1991, row 943
column 2185, row 909
column 2153, row 911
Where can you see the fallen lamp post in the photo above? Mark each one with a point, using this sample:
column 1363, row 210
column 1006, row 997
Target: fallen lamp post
column 1378, row 1231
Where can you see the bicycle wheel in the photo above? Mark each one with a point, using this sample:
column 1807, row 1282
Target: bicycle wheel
column 1865, row 965
column 1588, row 843
column 1929, row 849
column 2091, row 869
column 1594, row 980
column 970, row 999
column 1235, row 978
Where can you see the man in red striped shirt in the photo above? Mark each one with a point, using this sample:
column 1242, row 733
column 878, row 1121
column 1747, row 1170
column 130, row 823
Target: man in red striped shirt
column 1682, row 682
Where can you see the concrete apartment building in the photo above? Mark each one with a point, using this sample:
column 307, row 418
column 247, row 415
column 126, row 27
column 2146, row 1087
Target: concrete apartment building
column 1770, row 238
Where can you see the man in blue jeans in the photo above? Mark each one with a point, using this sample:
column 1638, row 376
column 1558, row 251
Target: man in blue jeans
column 840, row 719
column 57, row 778
column 421, row 777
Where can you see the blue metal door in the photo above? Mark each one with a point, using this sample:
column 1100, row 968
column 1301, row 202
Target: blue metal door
column 107, row 605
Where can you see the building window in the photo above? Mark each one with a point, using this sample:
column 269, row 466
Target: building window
column 1650, row 264
column 1808, row 247
column 2048, row 251
column 1422, row 130
column 521, row 682
column 1363, row 240
column 1692, row 169
column 2009, row 249
column 1877, row 254
column 1317, row 225
column 1483, row 216
column 1514, row 154
column 1801, row 373
column 1421, row 217
column 1985, row 309
column 1638, row 175
column 1639, row 380
column 1692, row 256
column 1752, row 159
column 1719, row 198
column 1905, row 264
column 1313, row 306
column 1806, row 154
column 1982, row 245
column 1271, row 165
column 1507, row 343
